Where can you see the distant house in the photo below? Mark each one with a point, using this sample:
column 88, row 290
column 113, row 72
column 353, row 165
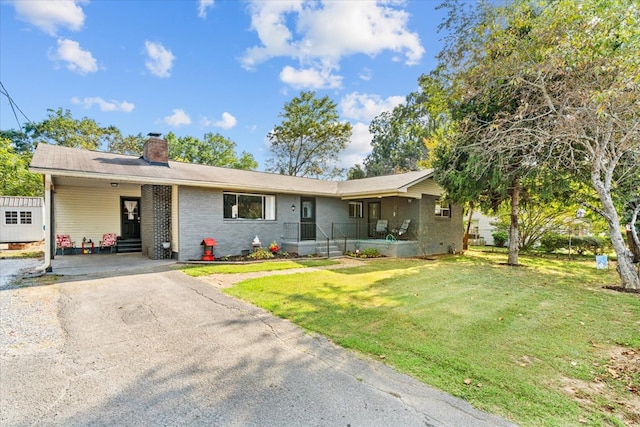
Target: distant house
column 482, row 228
column 152, row 203
column 22, row 219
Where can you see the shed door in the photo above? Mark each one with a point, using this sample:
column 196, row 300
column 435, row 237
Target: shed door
column 308, row 218
column 130, row 217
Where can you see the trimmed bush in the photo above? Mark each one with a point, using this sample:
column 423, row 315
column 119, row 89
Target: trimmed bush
column 500, row 238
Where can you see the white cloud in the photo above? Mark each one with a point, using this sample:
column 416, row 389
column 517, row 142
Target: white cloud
column 160, row 59
column 49, row 15
column 365, row 74
column 112, row 105
column 358, row 148
column 78, row 60
column 310, row 78
column 203, row 5
column 299, row 30
column 178, row 118
column 365, row 107
column 227, row 122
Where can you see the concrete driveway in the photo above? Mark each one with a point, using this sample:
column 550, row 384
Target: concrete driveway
column 166, row 349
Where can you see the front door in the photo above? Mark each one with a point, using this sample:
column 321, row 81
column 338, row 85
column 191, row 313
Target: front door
column 373, row 215
column 308, row 218
column 130, row 217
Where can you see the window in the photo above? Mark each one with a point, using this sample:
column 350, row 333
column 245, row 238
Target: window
column 11, row 217
column 355, row 209
column 443, row 209
column 249, row 206
column 25, row 217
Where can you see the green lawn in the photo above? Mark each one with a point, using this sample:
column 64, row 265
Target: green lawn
column 207, row 269
column 532, row 343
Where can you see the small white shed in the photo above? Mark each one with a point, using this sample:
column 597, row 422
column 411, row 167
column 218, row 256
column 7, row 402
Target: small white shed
column 21, row 219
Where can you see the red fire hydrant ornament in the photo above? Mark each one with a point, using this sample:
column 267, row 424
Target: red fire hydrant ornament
column 208, row 243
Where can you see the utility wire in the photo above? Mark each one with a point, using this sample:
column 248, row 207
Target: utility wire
column 13, row 105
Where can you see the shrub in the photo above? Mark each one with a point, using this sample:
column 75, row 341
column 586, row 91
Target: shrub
column 370, row 253
column 260, row 253
column 551, row 242
column 500, row 238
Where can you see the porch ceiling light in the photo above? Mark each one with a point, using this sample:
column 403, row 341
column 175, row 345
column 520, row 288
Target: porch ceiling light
column 114, row 184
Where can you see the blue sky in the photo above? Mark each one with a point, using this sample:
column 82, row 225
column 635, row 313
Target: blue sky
column 220, row 66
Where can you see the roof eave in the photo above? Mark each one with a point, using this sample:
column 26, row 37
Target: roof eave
column 132, row 179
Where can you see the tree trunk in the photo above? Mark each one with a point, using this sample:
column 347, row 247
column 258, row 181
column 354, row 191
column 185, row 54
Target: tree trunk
column 465, row 240
column 626, row 271
column 514, row 237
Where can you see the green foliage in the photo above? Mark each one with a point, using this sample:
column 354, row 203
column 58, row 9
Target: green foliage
column 15, row 178
column 404, row 137
column 60, row 128
column 213, row 149
column 553, row 242
column 131, row 145
column 260, row 253
column 309, row 139
column 356, row 172
column 500, row 238
column 365, row 253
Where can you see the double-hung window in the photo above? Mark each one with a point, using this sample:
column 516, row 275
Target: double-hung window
column 249, row 206
column 443, row 209
column 355, row 209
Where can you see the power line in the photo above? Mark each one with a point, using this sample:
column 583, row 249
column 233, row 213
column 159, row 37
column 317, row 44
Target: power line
column 13, row 105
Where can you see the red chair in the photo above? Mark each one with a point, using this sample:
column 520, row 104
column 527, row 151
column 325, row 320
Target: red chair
column 63, row 241
column 108, row 241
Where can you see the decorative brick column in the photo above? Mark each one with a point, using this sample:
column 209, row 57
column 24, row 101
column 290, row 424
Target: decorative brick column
column 156, row 220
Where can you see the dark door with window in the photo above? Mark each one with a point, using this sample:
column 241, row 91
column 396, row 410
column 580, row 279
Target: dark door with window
column 130, row 217
column 373, row 215
column 308, row 218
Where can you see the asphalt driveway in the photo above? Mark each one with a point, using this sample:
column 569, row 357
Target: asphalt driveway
column 166, row 349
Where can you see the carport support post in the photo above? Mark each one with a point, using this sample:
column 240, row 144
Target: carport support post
column 48, row 230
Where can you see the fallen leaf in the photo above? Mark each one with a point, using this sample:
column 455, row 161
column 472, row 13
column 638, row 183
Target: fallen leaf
column 467, row 381
column 613, row 373
column 479, row 385
column 382, row 356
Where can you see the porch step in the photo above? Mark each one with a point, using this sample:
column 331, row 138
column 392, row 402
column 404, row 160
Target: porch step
column 129, row 245
column 334, row 250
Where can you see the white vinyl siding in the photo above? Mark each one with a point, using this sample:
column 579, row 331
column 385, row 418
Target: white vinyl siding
column 427, row 186
column 89, row 212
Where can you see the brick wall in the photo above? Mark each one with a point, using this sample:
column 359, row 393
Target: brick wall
column 155, row 226
column 156, row 151
column 437, row 235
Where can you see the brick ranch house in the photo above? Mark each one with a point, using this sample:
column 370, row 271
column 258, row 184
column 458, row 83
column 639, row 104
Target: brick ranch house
column 165, row 209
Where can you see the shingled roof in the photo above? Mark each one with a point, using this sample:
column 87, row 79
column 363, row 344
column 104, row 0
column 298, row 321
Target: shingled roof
column 59, row 161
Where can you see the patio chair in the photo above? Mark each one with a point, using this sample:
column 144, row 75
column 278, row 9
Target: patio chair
column 108, row 241
column 381, row 227
column 403, row 228
column 63, row 241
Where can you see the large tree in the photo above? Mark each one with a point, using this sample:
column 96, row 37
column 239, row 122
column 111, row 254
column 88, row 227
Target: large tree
column 61, row 128
column 15, row 178
column 404, row 137
column 309, row 139
column 562, row 78
column 213, row 149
